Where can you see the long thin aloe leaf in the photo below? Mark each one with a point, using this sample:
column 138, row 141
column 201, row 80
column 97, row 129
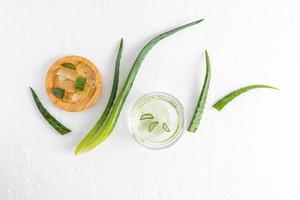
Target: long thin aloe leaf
column 111, row 121
column 202, row 98
column 228, row 98
column 111, row 100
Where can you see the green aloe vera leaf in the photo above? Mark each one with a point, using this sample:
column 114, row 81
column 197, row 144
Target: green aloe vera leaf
column 109, row 105
column 228, row 98
column 194, row 124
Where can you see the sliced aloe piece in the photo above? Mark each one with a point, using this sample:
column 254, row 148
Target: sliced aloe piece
column 69, row 65
column 166, row 128
column 58, row 92
column 80, row 83
column 146, row 116
column 152, row 126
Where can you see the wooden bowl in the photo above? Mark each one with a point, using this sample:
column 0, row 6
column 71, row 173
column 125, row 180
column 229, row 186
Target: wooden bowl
column 84, row 103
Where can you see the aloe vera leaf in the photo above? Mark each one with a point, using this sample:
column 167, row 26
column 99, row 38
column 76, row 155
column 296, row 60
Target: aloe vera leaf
column 228, row 98
column 111, row 121
column 111, row 100
column 59, row 127
column 194, row 124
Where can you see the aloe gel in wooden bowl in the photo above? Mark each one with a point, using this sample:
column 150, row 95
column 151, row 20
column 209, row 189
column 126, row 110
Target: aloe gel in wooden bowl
column 156, row 120
column 73, row 83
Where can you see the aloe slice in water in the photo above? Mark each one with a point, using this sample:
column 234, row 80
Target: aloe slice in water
column 152, row 125
column 69, row 65
column 165, row 127
column 146, row 116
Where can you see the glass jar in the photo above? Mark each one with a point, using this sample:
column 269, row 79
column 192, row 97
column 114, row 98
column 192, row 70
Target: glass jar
column 167, row 114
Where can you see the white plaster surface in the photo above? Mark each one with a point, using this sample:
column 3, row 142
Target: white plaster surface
column 249, row 151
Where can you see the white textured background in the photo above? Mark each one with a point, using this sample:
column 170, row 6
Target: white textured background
column 248, row 151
